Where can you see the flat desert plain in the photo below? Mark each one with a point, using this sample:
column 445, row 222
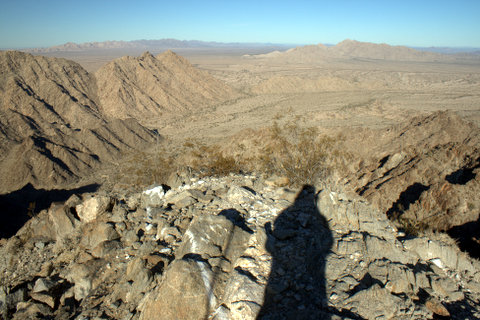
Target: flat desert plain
column 331, row 94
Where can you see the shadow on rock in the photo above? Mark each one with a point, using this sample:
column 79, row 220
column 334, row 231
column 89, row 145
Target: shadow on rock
column 19, row 206
column 299, row 242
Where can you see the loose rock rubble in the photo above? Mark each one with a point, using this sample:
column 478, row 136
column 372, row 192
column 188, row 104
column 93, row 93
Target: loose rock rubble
column 237, row 247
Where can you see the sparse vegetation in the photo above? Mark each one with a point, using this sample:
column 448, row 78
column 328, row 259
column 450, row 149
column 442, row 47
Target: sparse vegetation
column 145, row 168
column 298, row 153
column 210, row 161
column 301, row 154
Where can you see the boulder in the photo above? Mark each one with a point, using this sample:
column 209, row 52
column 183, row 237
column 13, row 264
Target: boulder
column 93, row 207
column 214, row 236
column 63, row 222
column 3, row 302
column 185, row 293
column 375, row 303
column 44, row 298
column 243, row 296
column 43, row 285
column 152, row 197
column 82, row 276
column 240, row 195
column 32, row 310
column 106, row 248
column 98, row 232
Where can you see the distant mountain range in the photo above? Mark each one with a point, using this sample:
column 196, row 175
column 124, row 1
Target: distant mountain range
column 450, row 50
column 164, row 44
column 150, row 45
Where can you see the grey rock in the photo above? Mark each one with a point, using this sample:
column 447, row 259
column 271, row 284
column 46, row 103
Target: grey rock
column 378, row 248
column 168, row 234
column 199, row 195
column 213, row 236
column 118, row 214
column 31, row 310
column 335, row 267
column 62, row 220
column 341, row 210
column 428, row 249
column 196, row 262
column 40, row 245
column 152, row 197
column 3, row 302
column 400, row 280
column 376, row 303
column 45, row 298
column 240, row 195
column 129, row 237
column 55, row 224
column 183, row 202
column 140, row 277
column 444, row 287
column 169, row 301
column 106, row 248
column 93, row 207
column 82, row 276
column 97, row 233
column 222, row 313
column 243, row 296
column 43, row 285
column 13, row 298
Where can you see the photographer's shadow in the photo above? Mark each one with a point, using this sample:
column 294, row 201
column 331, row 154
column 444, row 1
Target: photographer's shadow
column 299, row 242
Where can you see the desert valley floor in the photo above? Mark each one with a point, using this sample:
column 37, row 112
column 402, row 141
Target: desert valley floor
column 335, row 183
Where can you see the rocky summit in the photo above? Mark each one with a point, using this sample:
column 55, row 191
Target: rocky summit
column 236, row 247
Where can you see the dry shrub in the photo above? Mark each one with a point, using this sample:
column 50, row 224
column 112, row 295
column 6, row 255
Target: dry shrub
column 145, row 168
column 210, row 161
column 412, row 227
column 298, row 153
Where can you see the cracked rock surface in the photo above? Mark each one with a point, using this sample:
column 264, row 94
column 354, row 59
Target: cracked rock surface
column 236, row 247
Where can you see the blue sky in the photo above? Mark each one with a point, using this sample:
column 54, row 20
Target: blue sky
column 40, row 23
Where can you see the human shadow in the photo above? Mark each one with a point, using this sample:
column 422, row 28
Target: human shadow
column 19, row 206
column 299, row 242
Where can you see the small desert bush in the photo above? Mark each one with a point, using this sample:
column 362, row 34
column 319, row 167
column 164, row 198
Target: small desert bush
column 300, row 154
column 412, row 227
column 291, row 150
column 145, row 168
column 210, row 161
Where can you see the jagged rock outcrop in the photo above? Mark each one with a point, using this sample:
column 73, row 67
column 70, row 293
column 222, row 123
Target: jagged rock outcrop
column 146, row 87
column 51, row 129
column 425, row 173
column 235, row 247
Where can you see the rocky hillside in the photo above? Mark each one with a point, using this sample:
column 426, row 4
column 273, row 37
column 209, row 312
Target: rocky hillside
column 147, row 87
column 424, row 174
column 242, row 247
column 51, row 128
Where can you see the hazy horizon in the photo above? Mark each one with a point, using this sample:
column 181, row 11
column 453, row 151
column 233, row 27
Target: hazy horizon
column 433, row 48
column 40, row 24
